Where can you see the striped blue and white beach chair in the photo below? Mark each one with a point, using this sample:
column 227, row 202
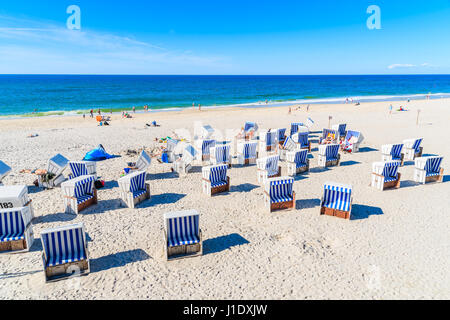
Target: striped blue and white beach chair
column 392, row 152
column 295, row 127
column 279, row 193
column 247, row 152
column 4, row 170
column 340, row 128
column 142, row 163
column 329, row 136
column 215, row 179
column 205, row 147
column 281, row 135
column 16, row 230
column 55, row 169
column 184, row 164
column 82, row 168
column 134, row 189
column 268, row 167
column 65, row 252
column 329, row 155
column 267, row 140
column 337, row 200
column 427, row 169
column 297, row 162
column 220, row 154
column 170, row 149
column 352, row 141
column 288, row 145
column 182, row 234
column 79, row 193
column 412, row 148
column 385, row 175
column 302, row 140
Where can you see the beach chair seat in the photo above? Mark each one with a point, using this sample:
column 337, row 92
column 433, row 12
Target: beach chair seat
column 352, row 141
column 220, row 154
column 205, row 146
column 79, row 194
column 55, row 168
column 182, row 234
column 297, row 162
column 134, row 189
column 288, row 145
column 385, row 175
column 329, row 136
column 215, row 179
column 281, row 135
column 267, row 140
column 65, row 252
column 428, row 169
column 412, row 148
column 82, row 168
column 4, row 170
column 341, row 129
column 391, row 152
column 247, row 152
column 337, row 200
column 16, row 230
column 279, row 193
column 329, row 155
column 268, row 167
column 302, row 140
column 295, row 127
column 184, row 164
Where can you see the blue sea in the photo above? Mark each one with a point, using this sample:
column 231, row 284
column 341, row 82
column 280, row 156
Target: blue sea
column 44, row 94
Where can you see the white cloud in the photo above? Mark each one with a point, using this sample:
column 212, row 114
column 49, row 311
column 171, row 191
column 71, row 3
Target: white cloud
column 395, row 66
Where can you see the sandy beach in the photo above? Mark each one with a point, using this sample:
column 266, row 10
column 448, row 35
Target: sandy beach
column 396, row 246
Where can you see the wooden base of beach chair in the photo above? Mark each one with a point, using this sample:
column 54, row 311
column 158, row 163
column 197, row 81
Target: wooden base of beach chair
column 184, row 251
column 288, row 205
column 206, row 157
column 331, row 163
column 11, row 246
column 67, row 270
column 211, row 191
column 411, row 154
column 132, row 202
column 439, row 178
column 262, row 175
column 377, row 182
column 292, row 169
column 335, row 213
column 82, row 206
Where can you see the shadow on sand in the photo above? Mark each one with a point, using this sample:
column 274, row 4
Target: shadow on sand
column 223, row 243
column 360, row 211
column 117, row 260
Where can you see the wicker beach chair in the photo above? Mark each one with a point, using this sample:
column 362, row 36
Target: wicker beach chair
column 281, row 135
column 268, row 167
column 385, row 175
column 220, row 154
column 412, row 148
column 337, row 200
column 428, row 169
column 279, row 193
column 329, row 155
column 302, row 140
column 329, row 136
column 391, row 152
column 16, row 230
column 82, row 168
column 184, row 164
column 79, row 194
column 205, row 146
column 341, row 129
column 246, row 152
column 267, row 140
column 250, row 129
column 142, row 163
column 297, row 162
column 65, row 252
column 352, row 141
column 295, row 127
column 15, row 196
column 55, row 169
column 288, row 145
column 182, row 234
column 215, row 179
column 170, row 149
column 4, row 170
column 134, row 189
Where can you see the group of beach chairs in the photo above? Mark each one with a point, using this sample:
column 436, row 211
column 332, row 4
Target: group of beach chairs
column 65, row 249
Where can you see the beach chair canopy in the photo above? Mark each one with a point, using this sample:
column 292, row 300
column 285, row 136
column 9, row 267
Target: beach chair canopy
column 413, row 144
column 281, row 134
column 431, row 165
column 289, row 144
column 329, row 132
column 280, row 189
column 98, row 154
column 64, row 244
column 248, row 149
column 171, row 143
column 4, row 170
column 330, row 151
column 189, row 153
column 81, row 188
column 207, row 145
column 206, row 132
column 13, row 223
column 301, row 138
column 221, row 153
column 144, row 161
column 134, row 183
column 182, row 227
column 298, row 157
column 250, row 126
column 337, row 196
column 15, row 196
column 269, row 137
column 269, row 164
column 341, row 128
column 295, row 126
column 354, row 136
column 216, row 174
column 80, row 168
column 57, row 164
column 387, row 169
column 394, row 150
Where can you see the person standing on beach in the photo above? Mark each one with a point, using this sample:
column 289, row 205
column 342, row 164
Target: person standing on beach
column 199, row 107
column 307, row 108
column 99, row 112
column 134, row 109
column 289, row 111
column 390, row 109
column 92, row 113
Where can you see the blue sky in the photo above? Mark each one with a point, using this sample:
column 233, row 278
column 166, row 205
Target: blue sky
column 225, row 37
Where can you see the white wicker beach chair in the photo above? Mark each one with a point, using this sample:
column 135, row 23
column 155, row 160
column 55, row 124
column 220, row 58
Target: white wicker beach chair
column 302, row 140
column 220, row 154
column 134, row 189
column 184, row 164
column 250, row 130
column 170, row 149
column 428, row 169
column 16, row 230
column 205, row 146
column 15, row 196
column 142, row 163
column 329, row 155
column 337, row 200
column 268, row 167
column 279, row 193
column 391, row 152
column 385, row 175
column 182, row 234
column 79, row 193
column 295, row 127
column 340, row 128
column 82, row 168
column 297, row 162
column 352, row 141
column 247, row 152
column 4, row 170
column 267, row 140
column 64, row 252
column 215, row 179
column 55, row 169
column 288, row 145
column 329, row 136
column 281, row 135
column 412, row 148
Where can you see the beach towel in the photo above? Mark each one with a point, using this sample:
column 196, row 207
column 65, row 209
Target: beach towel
column 98, row 154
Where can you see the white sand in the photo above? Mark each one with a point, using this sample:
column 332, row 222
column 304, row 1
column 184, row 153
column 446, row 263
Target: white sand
column 396, row 246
